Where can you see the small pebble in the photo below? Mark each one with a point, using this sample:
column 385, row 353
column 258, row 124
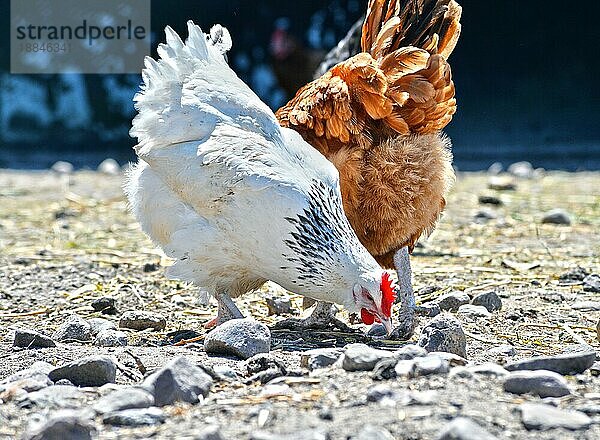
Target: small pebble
column 66, row 424
column 578, row 273
column 99, row 324
column 55, row 397
column 150, row 267
column 124, row 398
column 490, row 200
column 490, row 300
column 542, row 417
column 62, row 167
column 242, row 338
column 142, row 320
column 370, row 432
column 379, row 392
column 556, row 217
column 319, row 358
column 428, row 309
column 32, row 339
column 105, row 305
column 179, row 380
column 279, row 306
column 484, row 215
column 90, row 371
column 473, row 311
column 210, row 432
column 109, row 166
column 566, row 363
column 586, row 306
column 135, row 417
column 444, row 333
column 502, row 183
column 428, row 365
column 591, row 283
column 111, row 338
column 453, row 300
column 539, row 382
column 523, row 170
column 463, row 428
column 495, row 168
column 361, row 357
column 74, row 328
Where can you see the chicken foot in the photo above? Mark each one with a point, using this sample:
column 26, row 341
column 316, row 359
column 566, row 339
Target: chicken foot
column 321, row 318
column 406, row 313
column 226, row 310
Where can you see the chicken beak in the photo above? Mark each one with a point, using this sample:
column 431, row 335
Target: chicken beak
column 387, row 323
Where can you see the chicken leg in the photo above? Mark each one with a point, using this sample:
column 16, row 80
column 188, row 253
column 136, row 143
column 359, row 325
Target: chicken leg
column 321, row 317
column 406, row 313
column 226, row 310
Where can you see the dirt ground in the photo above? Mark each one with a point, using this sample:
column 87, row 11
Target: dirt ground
column 66, row 240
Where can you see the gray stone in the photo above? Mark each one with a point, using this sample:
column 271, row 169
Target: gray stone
column 453, row 300
column 62, row 167
column 377, row 330
column 36, row 369
column 463, row 428
column 428, row 365
column 125, row 398
column 211, row 432
column 484, row 215
column 305, row 434
column 62, row 425
column 428, row 309
column 490, row 200
column 99, row 324
column 379, row 392
column 444, row 333
column 109, row 166
column 586, row 306
column 591, row 283
column 495, row 168
column 589, row 409
column 90, row 371
column 575, row 274
column 243, row 338
column 35, row 382
column 490, row 300
column 566, row 363
column 319, row 358
column 279, row 306
column 179, row 380
column 473, row 311
column 53, row 397
column 452, row 359
column 135, row 417
column 489, row 369
column 370, row 432
column 502, row 350
column 522, row 169
column 74, row 328
column 111, row 338
column 142, row 320
column 410, row 351
column 225, row 372
column 361, row 357
column 64, row 382
column 502, row 183
column 105, row 305
column 540, row 383
column 556, row 217
column 32, row 339
column 541, row 417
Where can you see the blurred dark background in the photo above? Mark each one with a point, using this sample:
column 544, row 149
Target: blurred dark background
column 526, row 77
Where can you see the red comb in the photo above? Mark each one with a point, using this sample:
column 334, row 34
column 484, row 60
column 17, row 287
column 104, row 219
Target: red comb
column 388, row 295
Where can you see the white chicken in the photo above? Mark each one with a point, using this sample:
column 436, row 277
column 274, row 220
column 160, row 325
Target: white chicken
column 233, row 197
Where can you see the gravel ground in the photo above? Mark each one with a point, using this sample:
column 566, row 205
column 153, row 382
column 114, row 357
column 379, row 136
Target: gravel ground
column 67, row 240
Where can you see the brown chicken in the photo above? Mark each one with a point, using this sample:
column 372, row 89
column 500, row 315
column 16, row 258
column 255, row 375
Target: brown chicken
column 378, row 118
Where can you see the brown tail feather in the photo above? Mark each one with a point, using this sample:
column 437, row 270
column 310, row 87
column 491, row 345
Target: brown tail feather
column 433, row 25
